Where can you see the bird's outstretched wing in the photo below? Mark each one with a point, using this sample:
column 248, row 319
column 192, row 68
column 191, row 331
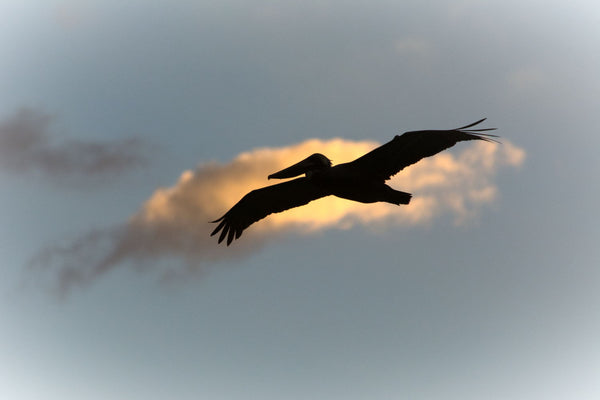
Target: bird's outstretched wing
column 410, row 147
column 261, row 202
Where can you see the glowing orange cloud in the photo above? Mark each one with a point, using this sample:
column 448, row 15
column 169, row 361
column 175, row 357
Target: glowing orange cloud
column 444, row 183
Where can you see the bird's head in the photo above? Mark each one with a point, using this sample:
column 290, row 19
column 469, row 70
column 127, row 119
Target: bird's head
column 315, row 162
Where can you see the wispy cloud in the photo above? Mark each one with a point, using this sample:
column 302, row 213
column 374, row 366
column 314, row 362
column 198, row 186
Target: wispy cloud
column 411, row 46
column 27, row 146
column 174, row 220
column 527, row 79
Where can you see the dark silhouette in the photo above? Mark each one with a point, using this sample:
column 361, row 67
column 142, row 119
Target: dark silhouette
column 360, row 180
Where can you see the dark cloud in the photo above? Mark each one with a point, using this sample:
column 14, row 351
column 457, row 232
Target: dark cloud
column 79, row 262
column 27, row 146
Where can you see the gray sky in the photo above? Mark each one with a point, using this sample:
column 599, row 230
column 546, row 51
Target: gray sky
column 124, row 128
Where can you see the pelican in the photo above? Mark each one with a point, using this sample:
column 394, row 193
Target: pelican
column 361, row 180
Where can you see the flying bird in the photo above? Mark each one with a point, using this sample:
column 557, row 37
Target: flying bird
column 361, row 180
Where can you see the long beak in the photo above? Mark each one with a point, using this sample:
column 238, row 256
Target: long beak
column 297, row 169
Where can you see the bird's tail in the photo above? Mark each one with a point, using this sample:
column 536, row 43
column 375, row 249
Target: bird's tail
column 401, row 197
column 396, row 196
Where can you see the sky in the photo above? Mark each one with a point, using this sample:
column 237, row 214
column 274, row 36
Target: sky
column 125, row 127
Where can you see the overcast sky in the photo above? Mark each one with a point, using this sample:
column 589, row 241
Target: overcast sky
column 126, row 126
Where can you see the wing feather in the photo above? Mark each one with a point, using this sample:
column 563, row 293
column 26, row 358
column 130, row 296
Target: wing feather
column 259, row 203
column 410, row 147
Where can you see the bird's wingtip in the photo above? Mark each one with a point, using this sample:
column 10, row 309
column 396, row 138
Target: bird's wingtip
column 471, row 124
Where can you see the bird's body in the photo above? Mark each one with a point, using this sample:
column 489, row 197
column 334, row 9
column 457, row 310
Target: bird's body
column 361, row 180
column 352, row 183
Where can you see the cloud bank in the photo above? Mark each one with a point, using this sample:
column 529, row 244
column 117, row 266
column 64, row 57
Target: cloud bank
column 27, row 146
column 174, row 221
